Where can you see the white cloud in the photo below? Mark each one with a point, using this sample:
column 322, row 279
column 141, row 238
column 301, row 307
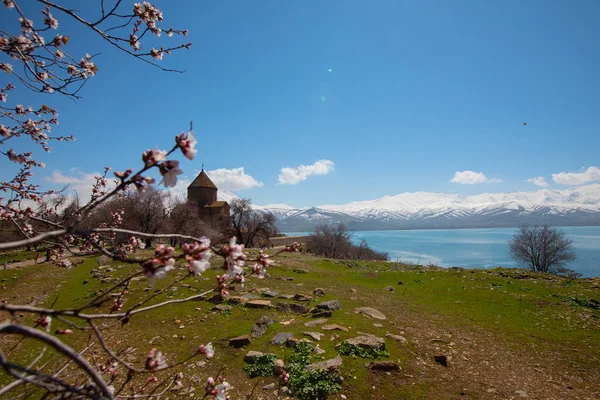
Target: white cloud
column 79, row 183
column 472, row 178
column 538, row 180
column 577, row 178
column 291, row 176
column 232, row 179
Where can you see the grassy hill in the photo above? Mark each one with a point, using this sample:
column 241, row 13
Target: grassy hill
column 505, row 333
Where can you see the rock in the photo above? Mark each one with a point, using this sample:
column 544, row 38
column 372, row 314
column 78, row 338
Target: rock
column 398, row 338
column 269, row 386
column 332, row 327
column 521, row 393
column 332, row 365
column 260, row 327
column 154, row 339
column 239, row 341
column 353, row 291
column 281, row 337
column 492, row 390
column 292, row 307
column 400, row 283
column 389, row 288
column 286, row 296
column 321, row 314
column 316, row 322
column 301, row 271
column 343, row 396
column 238, row 299
column 264, row 304
column 252, row 355
column 370, row 312
column 286, row 278
column 301, row 297
column 269, row 293
column 319, row 292
column 293, row 342
column 382, row 366
column 333, row 337
column 319, row 350
column 278, row 366
column 315, row 335
column 222, row 307
column 441, row 359
column 330, row 305
column 284, row 389
column 368, row 342
column 377, row 325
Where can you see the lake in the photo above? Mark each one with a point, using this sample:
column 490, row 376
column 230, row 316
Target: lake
column 474, row 248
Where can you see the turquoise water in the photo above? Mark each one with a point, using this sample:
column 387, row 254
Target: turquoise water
column 474, row 248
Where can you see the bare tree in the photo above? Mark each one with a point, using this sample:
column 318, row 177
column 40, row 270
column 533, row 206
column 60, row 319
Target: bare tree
column 251, row 227
column 336, row 242
column 543, row 249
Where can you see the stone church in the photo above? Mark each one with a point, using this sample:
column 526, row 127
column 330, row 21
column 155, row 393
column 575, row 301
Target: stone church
column 203, row 192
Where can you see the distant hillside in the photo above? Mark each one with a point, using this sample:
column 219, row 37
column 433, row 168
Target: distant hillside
column 423, row 210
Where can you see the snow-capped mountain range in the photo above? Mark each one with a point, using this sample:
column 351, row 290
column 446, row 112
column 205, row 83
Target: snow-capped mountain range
column 423, row 210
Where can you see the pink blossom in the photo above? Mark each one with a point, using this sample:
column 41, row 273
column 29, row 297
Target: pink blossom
column 155, row 360
column 156, row 54
column 59, row 54
column 151, row 157
column 134, row 42
column 51, row 21
column 6, row 68
column 26, row 25
column 72, row 70
column 44, row 321
column 169, row 171
column 3, row 97
column 4, row 131
column 154, row 270
column 20, row 110
column 187, row 144
column 208, row 350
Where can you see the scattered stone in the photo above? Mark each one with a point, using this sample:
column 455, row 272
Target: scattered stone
column 441, row 359
column 301, row 271
column 301, row 297
column 343, row 396
column 368, row 342
column 319, row 350
column 155, row 338
column 286, row 278
column 293, row 342
column 222, row 307
column 386, row 366
column 264, row 304
column 492, row 390
column 281, row 337
column 288, row 322
column 332, row 365
column 370, row 312
column 239, row 341
column 188, row 390
column 288, row 308
column 319, row 292
column 315, row 335
column 269, row 386
column 353, row 291
column 333, row 337
column 521, row 393
column 216, row 299
column 260, row 327
column 316, row 322
column 330, row 305
column 332, row 327
column 376, row 325
column 252, row 355
column 284, row 389
column 389, row 288
column 286, row 296
column 269, row 293
column 398, row 338
column 322, row 314
column 278, row 366
column 400, row 283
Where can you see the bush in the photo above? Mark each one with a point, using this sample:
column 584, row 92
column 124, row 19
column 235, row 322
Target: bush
column 335, row 242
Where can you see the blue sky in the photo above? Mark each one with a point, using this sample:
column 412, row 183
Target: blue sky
column 418, row 91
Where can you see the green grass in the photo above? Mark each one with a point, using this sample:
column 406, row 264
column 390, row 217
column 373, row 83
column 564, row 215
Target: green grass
column 517, row 308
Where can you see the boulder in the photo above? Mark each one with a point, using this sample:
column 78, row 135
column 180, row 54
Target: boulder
column 264, row 304
column 281, row 337
column 260, row 327
column 321, row 314
column 270, row 293
column 316, row 322
column 319, row 292
column 368, row 342
column 222, row 307
column 370, row 312
column 330, row 305
column 239, row 341
column 386, row 366
column 333, row 327
column 301, row 297
column 332, row 365
column 398, row 338
column 314, row 335
column 252, row 355
column 292, row 307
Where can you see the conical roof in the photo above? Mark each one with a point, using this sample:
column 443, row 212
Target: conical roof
column 202, row 180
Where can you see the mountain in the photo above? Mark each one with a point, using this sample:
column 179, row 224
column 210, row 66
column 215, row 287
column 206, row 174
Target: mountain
column 423, row 210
